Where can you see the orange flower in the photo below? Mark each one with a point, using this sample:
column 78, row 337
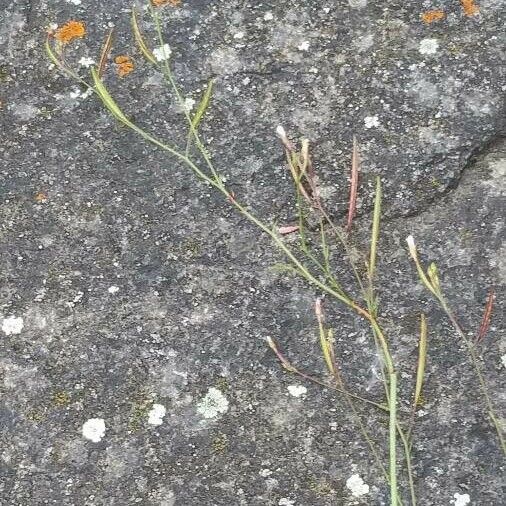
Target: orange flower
column 70, row 31
column 160, row 3
column 470, row 8
column 431, row 16
column 125, row 65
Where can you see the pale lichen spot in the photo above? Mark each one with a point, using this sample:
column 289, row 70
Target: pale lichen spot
column 303, row 46
column 296, row 390
column 503, row 360
column 94, row 429
column 12, row 325
column 371, row 122
column 357, row 4
column 113, row 289
column 286, row 502
column 213, row 404
column 268, row 16
column 461, row 499
column 156, row 414
column 355, row 484
column 428, row 46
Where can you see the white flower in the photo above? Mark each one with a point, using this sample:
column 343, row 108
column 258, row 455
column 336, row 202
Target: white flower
column 113, row 289
column 503, row 360
column 303, row 46
column 371, row 121
column 357, row 486
column 85, row 61
column 94, row 429
column 75, row 2
column 239, row 35
column 213, row 404
column 296, row 390
column 12, row 325
column 268, row 16
column 286, row 502
column 428, row 46
column 189, row 104
column 162, row 53
column 156, row 414
column 461, row 499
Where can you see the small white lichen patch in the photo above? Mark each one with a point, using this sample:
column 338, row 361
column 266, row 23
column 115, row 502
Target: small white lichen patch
column 268, row 16
column 85, row 61
column 213, row 404
column 12, row 325
column 94, row 429
column 296, row 390
column 113, row 289
column 371, row 121
column 74, row 2
column 286, row 502
column 461, row 499
column 428, row 46
column 357, row 486
column 303, row 46
column 162, row 53
column 239, row 35
column 156, row 414
column 503, row 360
column 357, row 4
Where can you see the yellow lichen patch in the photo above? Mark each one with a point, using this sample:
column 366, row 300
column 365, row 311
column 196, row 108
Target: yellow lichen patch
column 470, row 7
column 160, row 3
column 125, row 65
column 431, row 16
column 70, row 31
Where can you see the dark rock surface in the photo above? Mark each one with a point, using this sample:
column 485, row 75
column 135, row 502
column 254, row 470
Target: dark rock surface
column 125, row 284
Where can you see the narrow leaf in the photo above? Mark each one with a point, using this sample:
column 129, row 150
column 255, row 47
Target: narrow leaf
column 107, row 99
column 485, row 323
column 422, row 358
column 355, row 167
column 375, row 229
column 106, row 49
column 50, row 53
column 203, row 105
column 140, row 39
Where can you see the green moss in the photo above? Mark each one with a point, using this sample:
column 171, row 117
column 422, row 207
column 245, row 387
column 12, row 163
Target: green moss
column 220, row 443
column 320, row 487
column 61, row 399
column 222, row 384
column 4, row 73
column 191, row 248
column 36, row 415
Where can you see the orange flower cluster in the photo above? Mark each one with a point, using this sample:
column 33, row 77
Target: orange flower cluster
column 431, row 16
column 70, row 31
column 125, row 65
column 160, row 3
column 470, row 7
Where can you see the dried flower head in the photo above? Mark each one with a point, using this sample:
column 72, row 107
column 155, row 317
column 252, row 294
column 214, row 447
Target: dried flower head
column 69, row 31
column 125, row 65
